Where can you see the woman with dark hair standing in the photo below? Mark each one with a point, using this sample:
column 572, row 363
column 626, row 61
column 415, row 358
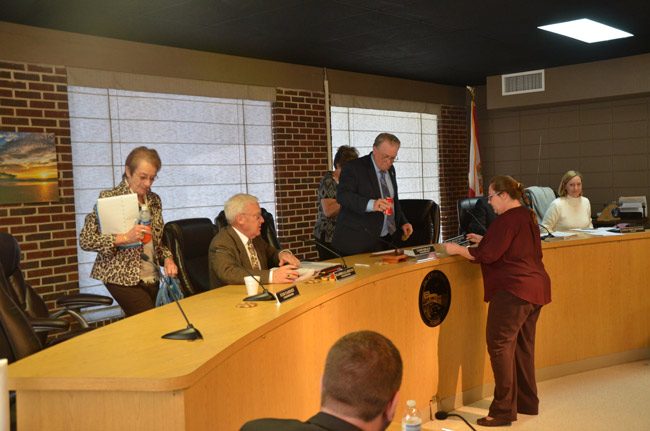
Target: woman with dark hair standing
column 328, row 207
column 516, row 286
column 130, row 278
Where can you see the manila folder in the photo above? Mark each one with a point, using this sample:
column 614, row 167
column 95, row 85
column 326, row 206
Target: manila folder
column 117, row 214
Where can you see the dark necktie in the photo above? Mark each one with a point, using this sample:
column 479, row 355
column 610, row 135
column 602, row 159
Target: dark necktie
column 386, row 194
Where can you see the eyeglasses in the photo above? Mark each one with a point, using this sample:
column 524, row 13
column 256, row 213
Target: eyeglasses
column 145, row 177
column 386, row 157
column 257, row 216
column 489, row 197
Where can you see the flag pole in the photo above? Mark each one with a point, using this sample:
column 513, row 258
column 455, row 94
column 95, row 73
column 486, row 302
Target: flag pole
column 474, row 177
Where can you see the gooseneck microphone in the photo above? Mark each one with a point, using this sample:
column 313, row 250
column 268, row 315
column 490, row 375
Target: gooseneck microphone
column 190, row 333
column 337, row 254
column 441, row 416
column 549, row 235
column 481, row 225
column 265, row 295
column 398, row 251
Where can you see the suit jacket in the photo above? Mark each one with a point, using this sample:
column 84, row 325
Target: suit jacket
column 121, row 265
column 228, row 258
column 320, row 422
column 358, row 231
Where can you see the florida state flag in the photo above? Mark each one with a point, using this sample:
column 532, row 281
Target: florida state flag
column 475, row 177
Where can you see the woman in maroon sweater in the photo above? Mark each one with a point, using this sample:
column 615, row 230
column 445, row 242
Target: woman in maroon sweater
column 517, row 286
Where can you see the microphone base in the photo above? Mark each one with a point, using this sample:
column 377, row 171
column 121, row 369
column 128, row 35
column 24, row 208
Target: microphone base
column 190, row 334
column 264, row 296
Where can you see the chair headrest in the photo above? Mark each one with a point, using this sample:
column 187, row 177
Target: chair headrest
column 9, row 254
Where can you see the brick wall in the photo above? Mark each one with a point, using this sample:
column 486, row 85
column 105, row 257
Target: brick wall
column 300, row 160
column 453, row 156
column 33, row 98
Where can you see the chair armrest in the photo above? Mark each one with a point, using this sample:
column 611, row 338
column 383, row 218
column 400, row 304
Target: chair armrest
column 83, row 300
column 44, row 324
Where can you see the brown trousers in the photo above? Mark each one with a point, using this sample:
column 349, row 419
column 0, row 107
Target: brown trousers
column 134, row 299
column 510, row 337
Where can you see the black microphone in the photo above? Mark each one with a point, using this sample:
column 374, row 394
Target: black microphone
column 190, row 333
column 441, row 416
column 337, row 254
column 265, row 295
column 481, row 225
column 550, row 235
column 397, row 250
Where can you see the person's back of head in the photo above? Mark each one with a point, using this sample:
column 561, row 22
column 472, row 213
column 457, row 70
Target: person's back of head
column 363, row 372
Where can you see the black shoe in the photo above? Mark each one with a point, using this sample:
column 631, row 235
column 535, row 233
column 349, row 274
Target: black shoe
column 493, row 422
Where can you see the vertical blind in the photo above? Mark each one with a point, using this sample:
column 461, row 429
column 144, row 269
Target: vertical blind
column 417, row 161
column 211, row 148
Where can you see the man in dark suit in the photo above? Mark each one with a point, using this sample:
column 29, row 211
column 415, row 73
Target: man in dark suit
column 361, row 380
column 368, row 221
column 240, row 246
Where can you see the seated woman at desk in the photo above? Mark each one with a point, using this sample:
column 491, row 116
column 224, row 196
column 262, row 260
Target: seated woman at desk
column 571, row 210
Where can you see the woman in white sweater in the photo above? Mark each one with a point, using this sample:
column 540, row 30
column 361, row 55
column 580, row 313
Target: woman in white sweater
column 571, row 210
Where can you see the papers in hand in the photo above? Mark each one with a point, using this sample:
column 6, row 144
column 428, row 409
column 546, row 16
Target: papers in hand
column 117, row 214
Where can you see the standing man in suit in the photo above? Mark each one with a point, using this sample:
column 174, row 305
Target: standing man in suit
column 368, row 221
column 359, row 388
column 240, row 246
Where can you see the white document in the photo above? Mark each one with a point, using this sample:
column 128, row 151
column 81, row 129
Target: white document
column 561, row 234
column 118, row 214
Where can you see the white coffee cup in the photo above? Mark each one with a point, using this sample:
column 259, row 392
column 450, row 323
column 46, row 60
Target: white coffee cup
column 252, row 284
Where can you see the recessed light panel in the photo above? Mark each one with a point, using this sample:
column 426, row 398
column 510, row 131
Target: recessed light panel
column 586, row 30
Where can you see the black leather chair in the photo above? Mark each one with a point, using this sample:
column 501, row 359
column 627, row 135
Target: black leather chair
column 269, row 233
column 189, row 241
column 463, row 206
column 424, row 215
column 33, row 306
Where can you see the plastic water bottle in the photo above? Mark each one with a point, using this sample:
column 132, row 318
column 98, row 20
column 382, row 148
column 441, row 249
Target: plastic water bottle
column 145, row 220
column 412, row 421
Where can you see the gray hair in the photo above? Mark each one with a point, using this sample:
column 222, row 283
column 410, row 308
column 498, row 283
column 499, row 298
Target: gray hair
column 235, row 205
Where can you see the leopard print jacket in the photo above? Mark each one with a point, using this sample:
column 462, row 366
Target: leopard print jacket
column 121, row 265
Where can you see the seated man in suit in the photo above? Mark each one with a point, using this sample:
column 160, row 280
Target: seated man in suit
column 238, row 250
column 368, row 220
column 360, row 384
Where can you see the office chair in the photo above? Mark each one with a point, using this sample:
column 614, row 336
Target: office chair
column 189, row 241
column 269, row 233
column 424, row 215
column 463, row 206
column 33, row 306
column 540, row 199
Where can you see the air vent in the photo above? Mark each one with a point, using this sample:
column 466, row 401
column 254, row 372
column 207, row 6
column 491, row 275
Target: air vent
column 524, row 82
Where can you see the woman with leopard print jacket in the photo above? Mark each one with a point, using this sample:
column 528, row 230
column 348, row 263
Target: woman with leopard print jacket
column 131, row 279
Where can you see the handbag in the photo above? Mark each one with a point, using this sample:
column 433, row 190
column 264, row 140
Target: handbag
column 168, row 291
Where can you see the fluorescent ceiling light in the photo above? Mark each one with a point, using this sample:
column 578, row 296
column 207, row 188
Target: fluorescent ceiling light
column 586, row 30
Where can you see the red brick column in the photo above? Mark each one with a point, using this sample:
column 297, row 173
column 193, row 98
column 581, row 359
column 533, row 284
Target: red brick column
column 453, row 156
column 33, row 98
column 300, row 159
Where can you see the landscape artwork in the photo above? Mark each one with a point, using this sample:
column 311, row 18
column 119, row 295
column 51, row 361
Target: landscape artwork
column 28, row 169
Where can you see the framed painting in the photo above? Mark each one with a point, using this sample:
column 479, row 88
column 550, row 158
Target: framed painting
column 28, row 169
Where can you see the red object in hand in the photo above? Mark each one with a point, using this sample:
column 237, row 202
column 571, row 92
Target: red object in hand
column 146, row 237
column 389, row 210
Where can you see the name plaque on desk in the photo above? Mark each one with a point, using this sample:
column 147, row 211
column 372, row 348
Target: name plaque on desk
column 287, row 294
column 344, row 273
column 419, row 251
